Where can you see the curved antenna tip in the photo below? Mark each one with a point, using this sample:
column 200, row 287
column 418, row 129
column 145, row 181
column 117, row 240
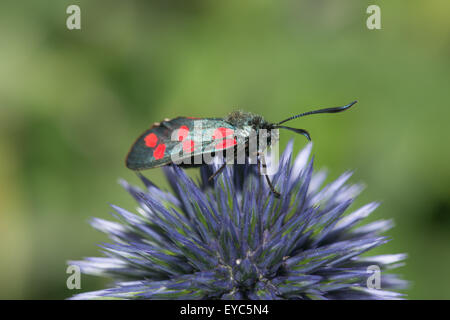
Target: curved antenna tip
column 352, row 103
column 348, row 106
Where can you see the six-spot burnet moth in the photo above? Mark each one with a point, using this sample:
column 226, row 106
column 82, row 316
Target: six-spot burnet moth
column 191, row 142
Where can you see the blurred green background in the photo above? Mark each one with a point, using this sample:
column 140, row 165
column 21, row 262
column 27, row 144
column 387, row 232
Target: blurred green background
column 72, row 102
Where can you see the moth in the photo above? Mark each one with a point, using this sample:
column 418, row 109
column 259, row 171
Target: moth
column 187, row 139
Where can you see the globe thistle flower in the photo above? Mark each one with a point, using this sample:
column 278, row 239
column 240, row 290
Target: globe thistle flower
column 232, row 239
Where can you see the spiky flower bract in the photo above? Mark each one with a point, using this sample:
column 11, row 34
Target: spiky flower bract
column 232, row 239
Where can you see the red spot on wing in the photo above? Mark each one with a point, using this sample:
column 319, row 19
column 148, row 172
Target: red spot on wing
column 222, row 132
column 151, row 140
column 188, row 145
column 183, row 132
column 227, row 143
column 159, row 151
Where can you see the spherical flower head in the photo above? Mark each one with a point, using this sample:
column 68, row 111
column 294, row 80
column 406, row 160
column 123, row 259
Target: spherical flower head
column 231, row 238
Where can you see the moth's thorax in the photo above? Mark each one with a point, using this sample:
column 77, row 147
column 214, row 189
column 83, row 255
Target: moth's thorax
column 242, row 119
column 248, row 125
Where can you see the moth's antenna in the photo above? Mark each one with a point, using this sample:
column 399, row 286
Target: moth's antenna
column 300, row 131
column 327, row 110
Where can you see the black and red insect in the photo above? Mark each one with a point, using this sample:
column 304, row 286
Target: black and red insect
column 158, row 145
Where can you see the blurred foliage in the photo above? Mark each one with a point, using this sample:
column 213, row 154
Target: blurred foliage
column 72, row 102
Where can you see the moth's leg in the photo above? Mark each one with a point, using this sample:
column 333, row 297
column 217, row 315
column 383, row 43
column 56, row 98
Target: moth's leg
column 218, row 171
column 226, row 161
column 263, row 163
column 275, row 192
